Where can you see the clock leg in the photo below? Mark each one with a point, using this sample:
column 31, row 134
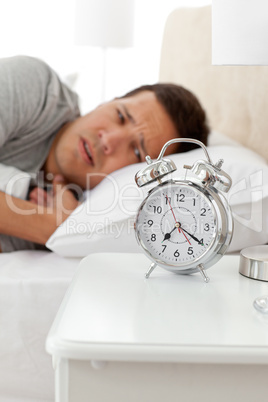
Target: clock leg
column 152, row 267
column 203, row 272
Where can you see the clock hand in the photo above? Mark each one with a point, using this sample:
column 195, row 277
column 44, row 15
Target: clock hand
column 168, row 235
column 177, row 225
column 193, row 237
column 185, row 235
column 173, row 214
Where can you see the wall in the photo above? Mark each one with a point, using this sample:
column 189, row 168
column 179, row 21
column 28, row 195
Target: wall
column 45, row 29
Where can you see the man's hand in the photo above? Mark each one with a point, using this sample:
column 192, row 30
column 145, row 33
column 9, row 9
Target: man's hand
column 40, row 196
column 37, row 219
column 63, row 201
column 59, row 200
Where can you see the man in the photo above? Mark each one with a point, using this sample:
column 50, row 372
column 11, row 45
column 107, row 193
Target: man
column 41, row 131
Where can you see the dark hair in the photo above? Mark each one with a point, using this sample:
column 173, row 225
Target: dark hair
column 183, row 108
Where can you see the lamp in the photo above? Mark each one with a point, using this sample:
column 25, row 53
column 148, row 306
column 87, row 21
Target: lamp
column 106, row 24
column 240, row 32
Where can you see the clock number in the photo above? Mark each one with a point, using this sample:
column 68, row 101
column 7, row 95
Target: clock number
column 203, row 213
column 153, row 237
column 201, row 242
column 194, row 202
column 150, row 222
column 168, row 200
column 190, row 250
column 176, row 254
column 157, row 209
column 164, row 247
column 180, row 197
column 206, row 228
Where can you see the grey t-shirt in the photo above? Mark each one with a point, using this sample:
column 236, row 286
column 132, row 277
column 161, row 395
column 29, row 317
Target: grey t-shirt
column 34, row 104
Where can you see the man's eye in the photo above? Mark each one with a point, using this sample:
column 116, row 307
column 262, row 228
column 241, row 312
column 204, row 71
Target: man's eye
column 121, row 116
column 137, row 153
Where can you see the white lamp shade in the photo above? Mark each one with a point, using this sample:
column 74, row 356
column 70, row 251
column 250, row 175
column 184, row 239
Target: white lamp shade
column 240, row 32
column 104, row 23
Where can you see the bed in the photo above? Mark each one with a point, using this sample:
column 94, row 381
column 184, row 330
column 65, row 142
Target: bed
column 33, row 283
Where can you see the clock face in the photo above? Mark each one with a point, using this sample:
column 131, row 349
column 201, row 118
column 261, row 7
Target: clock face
column 176, row 224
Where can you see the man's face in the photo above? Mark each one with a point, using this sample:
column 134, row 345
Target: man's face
column 114, row 135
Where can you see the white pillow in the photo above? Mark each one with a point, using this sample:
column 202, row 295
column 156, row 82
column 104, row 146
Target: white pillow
column 104, row 222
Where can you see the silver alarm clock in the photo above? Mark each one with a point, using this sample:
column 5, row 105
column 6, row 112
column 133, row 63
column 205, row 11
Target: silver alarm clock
column 184, row 225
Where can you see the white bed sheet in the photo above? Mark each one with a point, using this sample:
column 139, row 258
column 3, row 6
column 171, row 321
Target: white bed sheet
column 32, row 285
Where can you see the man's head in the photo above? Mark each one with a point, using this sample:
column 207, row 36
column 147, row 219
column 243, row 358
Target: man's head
column 184, row 110
column 123, row 131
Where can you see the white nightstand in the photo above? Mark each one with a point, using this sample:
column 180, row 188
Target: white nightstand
column 119, row 337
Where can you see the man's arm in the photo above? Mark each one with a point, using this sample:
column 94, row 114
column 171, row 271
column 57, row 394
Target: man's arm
column 25, row 220
column 33, row 222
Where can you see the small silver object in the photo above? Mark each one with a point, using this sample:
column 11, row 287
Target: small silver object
column 261, row 304
column 254, row 262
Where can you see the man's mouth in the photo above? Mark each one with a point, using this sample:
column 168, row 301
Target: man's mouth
column 86, row 152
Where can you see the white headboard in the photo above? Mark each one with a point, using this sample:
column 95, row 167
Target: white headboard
column 235, row 97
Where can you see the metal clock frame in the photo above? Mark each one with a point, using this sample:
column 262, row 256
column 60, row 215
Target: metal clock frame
column 210, row 177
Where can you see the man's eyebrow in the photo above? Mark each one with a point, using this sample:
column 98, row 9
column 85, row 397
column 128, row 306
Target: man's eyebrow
column 129, row 116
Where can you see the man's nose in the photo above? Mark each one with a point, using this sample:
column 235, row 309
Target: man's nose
column 110, row 141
